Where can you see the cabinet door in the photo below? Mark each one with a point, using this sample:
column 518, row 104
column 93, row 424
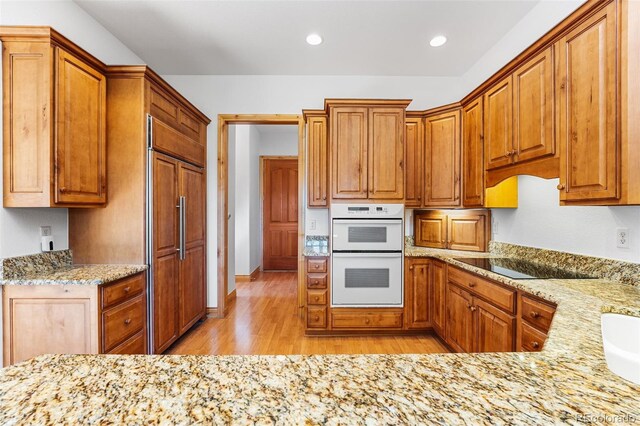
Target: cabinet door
column 472, row 155
column 192, row 284
column 317, row 161
column 533, row 131
column 430, row 230
column 417, row 293
column 349, row 152
column 413, row 161
column 495, row 328
column 386, row 154
column 442, row 160
column 80, row 145
column 498, row 119
column 587, row 112
column 438, row 296
column 166, row 273
column 459, row 323
column 467, row 230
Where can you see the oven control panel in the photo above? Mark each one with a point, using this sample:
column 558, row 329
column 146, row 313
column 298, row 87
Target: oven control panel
column 345, row 211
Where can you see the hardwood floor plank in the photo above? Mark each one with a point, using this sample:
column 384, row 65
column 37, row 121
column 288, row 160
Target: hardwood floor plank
column 265, row 320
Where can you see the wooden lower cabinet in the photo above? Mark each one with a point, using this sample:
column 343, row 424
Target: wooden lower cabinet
column 75, row 319
column 438, row 296
column 534, row 322
column 460, row 324
column 417, row 286
column 495, row 328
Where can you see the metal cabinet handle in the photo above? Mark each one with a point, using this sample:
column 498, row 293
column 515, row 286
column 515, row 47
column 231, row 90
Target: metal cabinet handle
column 182, row 226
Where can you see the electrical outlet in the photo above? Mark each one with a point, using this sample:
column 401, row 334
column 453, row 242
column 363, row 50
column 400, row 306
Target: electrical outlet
column 494, row 226
column 313, row 225
column 45, row 231
column 622, row 237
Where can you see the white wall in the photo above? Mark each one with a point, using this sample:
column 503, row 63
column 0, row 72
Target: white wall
column 539, row 221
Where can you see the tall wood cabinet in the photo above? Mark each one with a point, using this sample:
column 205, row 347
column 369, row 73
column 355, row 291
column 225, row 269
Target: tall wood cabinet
column 317, row 158
column 473, row 154
column 145, row 112
column 442, row 159
column 413, row 161
column 54, row 131
column 367, row 149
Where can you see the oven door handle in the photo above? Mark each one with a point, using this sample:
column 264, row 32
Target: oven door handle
column 367, row 222
column 369, row 255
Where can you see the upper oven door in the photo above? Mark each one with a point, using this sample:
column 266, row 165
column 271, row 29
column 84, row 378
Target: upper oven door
column 367, row 235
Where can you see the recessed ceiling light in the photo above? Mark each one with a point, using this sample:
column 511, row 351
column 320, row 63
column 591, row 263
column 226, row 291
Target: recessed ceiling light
column 314, row 39
column 438, row 41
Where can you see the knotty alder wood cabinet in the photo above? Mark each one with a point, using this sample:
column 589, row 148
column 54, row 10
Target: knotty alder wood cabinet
column 442, row 159
column 317, row 158
column 453, row 229
column 54, row 130
column 367, row 148
column 75, row 319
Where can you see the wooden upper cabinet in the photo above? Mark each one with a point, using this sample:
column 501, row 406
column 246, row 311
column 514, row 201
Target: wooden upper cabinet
column 472, row 154
column 80, row 145
column 587, row 109
column 386, row 154
column 317, row 161
column 349, row 145
column 442, row 159
column 367, row 148
column 54, row 127
column 468, row 230
column 498, row 121
column 533, row 129
column 413, row 161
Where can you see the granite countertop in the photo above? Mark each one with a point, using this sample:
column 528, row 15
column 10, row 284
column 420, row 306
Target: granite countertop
column 76, row 275
column 567, row 382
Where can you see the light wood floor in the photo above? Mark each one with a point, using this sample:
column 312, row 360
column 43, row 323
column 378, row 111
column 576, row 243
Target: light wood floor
column 264, row 320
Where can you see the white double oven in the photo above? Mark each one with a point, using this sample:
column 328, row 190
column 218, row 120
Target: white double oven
column 367, row 255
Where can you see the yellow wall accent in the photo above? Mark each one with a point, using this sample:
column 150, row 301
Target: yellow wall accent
column 502, row 196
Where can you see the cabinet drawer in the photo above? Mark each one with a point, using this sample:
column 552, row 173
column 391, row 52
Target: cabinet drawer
column 316, row 265
column 122, row 321
column 537, row 313
column 532, row 340
column 316, row 297
column 494, row 293
column 366, row 319
column 316, row 317
column 133, row 346
column 316, row 280
column 118, row 292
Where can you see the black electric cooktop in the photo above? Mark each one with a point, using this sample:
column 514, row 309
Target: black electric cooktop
column 521, row 269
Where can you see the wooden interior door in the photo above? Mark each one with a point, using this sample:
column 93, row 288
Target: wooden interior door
column 280, row 214
column 442, row 160
column 495, row 328
column 498, row 122
column 587, row 109
column 192, row 284
column 472, row 154
column 166, row 272
column 413, row 162
column 533, row 130
column 349, row 144
column 80, row 145
column 385, row 164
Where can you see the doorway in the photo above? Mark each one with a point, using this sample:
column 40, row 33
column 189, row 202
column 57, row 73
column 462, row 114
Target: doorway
column 225, row 125
column 279, row 213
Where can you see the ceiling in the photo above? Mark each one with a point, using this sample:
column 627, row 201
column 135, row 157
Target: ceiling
column 361, row 37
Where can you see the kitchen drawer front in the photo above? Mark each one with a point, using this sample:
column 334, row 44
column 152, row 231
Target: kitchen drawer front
column 316, row 317
column 500, row 296
column 316, row 265
column 537, row 313
column 532, row 340
column 316, row 280
column 316, row 297
column 366, row 319
column 123, row 321
column 133, row 346
column 120, row 291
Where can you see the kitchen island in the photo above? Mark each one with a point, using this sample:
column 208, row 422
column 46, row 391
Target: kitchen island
column 567, row 382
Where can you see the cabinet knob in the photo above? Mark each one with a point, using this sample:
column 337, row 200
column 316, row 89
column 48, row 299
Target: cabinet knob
column 472, row 284
column 316, row 266
column 316, row 298
column 63, row 190
column 534, row 314
column 560, row 186
column 473, row 309
column 367, row 320
column 127, row 321
column 468, row 305
column 324, row 198
column 535, row 345
column 411, row 268
column 127, row 289
column 316, row 318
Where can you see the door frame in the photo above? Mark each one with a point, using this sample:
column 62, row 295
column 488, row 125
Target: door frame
column 262, row 159
column 224, row 120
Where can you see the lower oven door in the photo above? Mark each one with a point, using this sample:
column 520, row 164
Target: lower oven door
column 367, row 279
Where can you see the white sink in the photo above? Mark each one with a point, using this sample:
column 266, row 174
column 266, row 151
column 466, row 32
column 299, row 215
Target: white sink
column 621, row 341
